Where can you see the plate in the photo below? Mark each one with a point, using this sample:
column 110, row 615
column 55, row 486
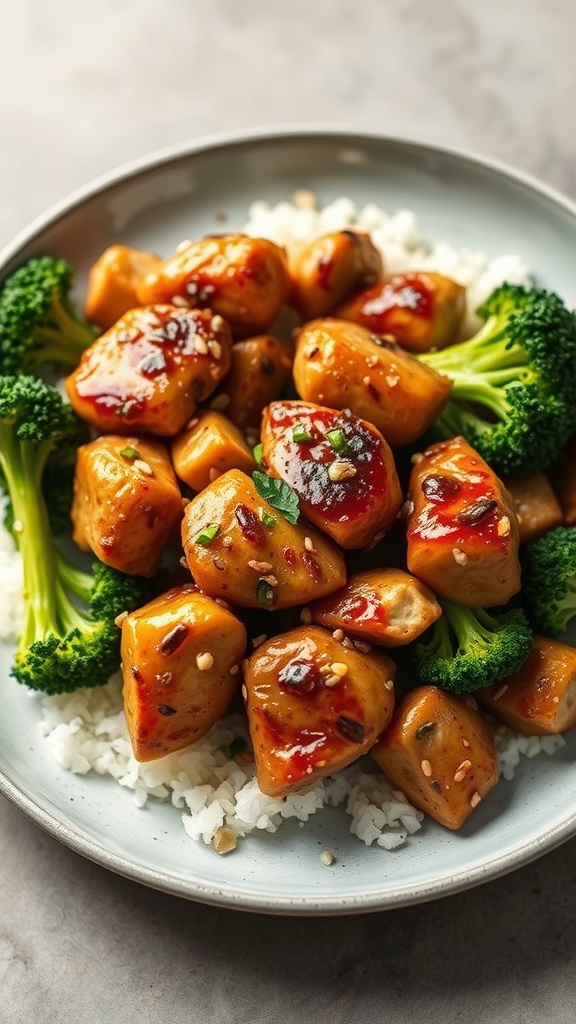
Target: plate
column 208, row 187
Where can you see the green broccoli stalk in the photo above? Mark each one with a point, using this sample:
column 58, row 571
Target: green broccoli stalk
column 69, row 638
column 38, row 323
column 549, row 581
column 469, row 648
column 514, row 381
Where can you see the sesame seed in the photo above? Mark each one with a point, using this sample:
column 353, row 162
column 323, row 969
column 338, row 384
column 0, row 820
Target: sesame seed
column 406, row 510
column 306, row 616
column 459, row 556
column 426, row 768
column 338, row 634
column 182, row 246
column 224, row 840
column 503, row 528
column 371, row 361
column 183, row 562
column 341, row 470
column 475, row 799
column 500, row 693
column 259, row 640
column 389, row 684
column 244, row 692
column 462, row 771
column 120, row 619
column 234, row 670
column 227, row 542
column 366, row 381
column 416, row 458
column 215, row 349
column 260, row 566
column 308, row 544
column 327, row 857
column 465, row 743
column 205, row 661
column 192, row 423
column 331, row 680
column 180, row 301
column 217, row 323
column 213, row 474
column 200, row 346
column 220, row 402
column 339, row 668
column 144, row 467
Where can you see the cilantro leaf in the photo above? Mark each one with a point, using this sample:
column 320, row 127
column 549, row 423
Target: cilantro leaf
column 279, row 494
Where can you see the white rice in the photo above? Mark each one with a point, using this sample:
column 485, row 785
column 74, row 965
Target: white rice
column 86, row 731
column 398, row 238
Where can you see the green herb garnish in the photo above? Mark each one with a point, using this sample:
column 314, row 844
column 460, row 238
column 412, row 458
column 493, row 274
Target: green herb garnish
column 338, row 441
column 279, row 494
column 301, row 433
column 258, row 454
column 265, row 593
column 266, row 518
column 130, row 453
column 206, row 536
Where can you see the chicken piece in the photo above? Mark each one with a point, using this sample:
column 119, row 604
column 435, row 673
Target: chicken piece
column 245, row 280
column 419, row 310
column 331, row 267
column 539, row 699
column 113, row 281
column 537, row 507
column 260, row 368
column 208, row 447
column 344, row 366
column 563, row 477
column 439, row 753
column 383, row 606
column 341, row 468
column 462, row 531
column 238, row 547
column 127, row 505
column 181, row 658
column 148, row 371
column 313, row 706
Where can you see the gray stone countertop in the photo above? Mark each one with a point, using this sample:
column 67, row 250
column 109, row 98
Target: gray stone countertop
column 85, row 87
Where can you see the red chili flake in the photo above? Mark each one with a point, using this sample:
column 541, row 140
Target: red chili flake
column 312, row 565
column 289, row 556
column 250, row 525
column 174, row 639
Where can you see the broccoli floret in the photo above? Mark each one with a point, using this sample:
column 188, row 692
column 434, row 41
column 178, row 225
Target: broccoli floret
column 470, row 648
column 68, row 638
column 38, row 323
column 549, row 581
column 514, row 381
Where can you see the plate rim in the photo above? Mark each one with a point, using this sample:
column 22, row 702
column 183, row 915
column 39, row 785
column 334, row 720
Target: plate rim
column 167, row 882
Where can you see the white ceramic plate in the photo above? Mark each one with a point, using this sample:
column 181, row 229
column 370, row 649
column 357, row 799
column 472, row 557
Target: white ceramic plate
column 153, row 205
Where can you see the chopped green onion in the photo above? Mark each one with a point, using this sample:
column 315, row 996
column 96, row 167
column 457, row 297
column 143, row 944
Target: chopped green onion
column 266, row 518
column 301, row 433
column 130, row 453
column 206, row 536
column 257, row 452
column 265, row 594
column 338, row 441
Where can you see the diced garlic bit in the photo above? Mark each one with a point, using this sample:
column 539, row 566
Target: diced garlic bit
column 475, row 799
column 308, row 544
column 459, row 556
column 341, row 470
column 260, row 567
column 327, row 857
column 503, row 528
column 338, row 634
column 204, row 661
column 224, row 840
column 426, row 768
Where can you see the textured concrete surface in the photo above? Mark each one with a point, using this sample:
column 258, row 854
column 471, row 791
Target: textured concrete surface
column 85, row 87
